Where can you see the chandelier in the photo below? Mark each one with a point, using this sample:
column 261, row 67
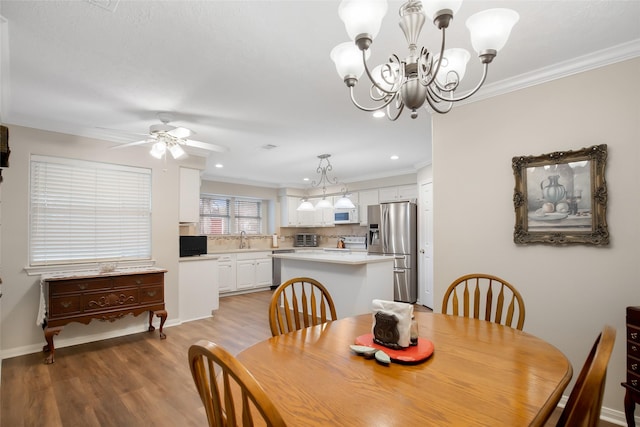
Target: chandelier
column 323, row 168
column 421, row 76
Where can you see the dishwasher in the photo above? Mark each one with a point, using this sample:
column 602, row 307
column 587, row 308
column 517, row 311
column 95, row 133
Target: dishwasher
column 276, row 274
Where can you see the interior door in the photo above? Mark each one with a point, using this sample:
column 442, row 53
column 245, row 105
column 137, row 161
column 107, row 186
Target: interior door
column 425, row 245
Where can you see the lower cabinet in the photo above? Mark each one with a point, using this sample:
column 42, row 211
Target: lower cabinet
column 227, row 273
column 244, row 271
column 253, row 270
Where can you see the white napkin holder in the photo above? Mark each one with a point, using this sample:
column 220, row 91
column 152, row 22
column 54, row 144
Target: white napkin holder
column 391, row 323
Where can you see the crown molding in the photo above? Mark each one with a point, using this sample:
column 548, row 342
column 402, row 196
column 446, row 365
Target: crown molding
column 597, row 59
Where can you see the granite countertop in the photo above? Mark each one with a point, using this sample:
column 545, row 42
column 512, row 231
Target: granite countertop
column 199, row 257
column 335, row 257
column 296, row 248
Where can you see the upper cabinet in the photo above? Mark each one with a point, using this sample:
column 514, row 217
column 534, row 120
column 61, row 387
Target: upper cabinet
column 366, row 198
column 395, row 194
column 291, row 217
column 189, row 195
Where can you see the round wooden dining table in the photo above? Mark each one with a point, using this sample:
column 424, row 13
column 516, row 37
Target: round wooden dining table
column 479, row 374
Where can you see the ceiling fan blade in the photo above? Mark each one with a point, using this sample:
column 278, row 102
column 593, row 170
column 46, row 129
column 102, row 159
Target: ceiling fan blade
column 205, row 146
column 180, row 132
column 131, row 144
column 122, row 132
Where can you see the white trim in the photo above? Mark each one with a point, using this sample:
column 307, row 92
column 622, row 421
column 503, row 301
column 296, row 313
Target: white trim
column 606, row 414
column 601, row 58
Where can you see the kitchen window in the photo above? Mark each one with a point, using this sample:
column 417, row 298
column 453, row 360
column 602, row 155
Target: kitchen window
column 221, row 215
column 82, row 212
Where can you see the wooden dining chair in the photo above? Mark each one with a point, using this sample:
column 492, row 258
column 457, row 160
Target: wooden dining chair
column 205, row 357
column 585, row 401
column 489, row 296
column 299, row 303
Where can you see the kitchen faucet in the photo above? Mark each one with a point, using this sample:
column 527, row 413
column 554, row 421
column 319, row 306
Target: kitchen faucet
column 243, row 237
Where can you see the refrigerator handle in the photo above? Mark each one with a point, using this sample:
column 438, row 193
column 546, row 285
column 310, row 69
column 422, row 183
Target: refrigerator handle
column 399, row 270
column 384, row 221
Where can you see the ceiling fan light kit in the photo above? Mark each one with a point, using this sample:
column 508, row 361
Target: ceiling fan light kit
column 421, row 76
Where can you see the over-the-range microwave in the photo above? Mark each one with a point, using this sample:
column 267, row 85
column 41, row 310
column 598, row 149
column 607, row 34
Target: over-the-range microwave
column 346, row 216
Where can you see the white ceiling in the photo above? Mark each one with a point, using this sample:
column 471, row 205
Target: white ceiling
column 245, row 74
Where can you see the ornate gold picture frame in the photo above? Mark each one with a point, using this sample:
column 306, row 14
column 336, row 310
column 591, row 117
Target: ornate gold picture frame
column 560, row 198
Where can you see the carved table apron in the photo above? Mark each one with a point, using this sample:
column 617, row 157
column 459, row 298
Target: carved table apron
column 106, row 297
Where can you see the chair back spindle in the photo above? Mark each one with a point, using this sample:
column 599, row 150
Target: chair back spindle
column 205, row 360
column 299, row 303
column 485, row 293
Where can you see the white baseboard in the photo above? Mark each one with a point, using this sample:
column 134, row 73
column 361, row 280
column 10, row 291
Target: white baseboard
column 61, row 342
column 606, row 414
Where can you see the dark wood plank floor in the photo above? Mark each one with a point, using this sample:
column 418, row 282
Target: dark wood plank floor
column 137, row 380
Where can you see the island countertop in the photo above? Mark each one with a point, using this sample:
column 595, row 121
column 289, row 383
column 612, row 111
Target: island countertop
column 334, row 257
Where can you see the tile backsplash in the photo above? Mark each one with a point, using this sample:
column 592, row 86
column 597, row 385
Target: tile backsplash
column 327, row 237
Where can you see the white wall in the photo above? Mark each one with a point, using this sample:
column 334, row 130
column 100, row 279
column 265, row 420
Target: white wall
column 20, row 334
column 570, row 292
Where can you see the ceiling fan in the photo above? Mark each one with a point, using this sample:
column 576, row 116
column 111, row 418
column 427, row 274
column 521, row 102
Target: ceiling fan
column 166, row 137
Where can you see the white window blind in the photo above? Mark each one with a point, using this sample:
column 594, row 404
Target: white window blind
column 248, row 216
column 88, row 212
column 215, row 215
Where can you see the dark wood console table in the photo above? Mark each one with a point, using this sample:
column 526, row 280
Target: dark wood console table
column 632, row 385
column 106, row 297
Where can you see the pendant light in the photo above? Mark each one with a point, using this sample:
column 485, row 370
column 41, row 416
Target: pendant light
column 324, row 167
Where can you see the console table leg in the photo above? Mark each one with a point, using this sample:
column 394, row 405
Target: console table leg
column 629, row 408
column 162, row 314
column 48, row 336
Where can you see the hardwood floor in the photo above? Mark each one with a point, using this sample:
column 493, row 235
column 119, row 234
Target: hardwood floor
column 91, row 385
column 137, row 380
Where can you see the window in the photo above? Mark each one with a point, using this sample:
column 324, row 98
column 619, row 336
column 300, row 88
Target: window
column 230, row 215
column 215, row 215
column 88, row 212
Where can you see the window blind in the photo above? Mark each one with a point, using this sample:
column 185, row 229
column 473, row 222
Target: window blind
column 248, row 216
column 215, row 215
column 88, row 212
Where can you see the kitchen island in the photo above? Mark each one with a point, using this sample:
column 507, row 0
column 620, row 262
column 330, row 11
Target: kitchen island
column 353, row 279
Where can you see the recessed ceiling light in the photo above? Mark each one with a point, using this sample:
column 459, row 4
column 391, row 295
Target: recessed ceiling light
column 394, row 157
column 378, row 114
column 305, row 179
column 219, row 165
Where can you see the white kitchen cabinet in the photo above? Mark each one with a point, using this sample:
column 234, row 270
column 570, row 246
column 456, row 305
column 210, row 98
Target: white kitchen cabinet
column 395, row 194
column 245, row 274
column 264, row 271
column 252, row 270
column 366, row 198
column 189, row 195
column 197, row 287
column 227, row 273
column 323, row 217
column 291, row 217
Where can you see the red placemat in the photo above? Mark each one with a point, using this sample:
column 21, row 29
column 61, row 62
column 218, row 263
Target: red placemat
column 412, row 354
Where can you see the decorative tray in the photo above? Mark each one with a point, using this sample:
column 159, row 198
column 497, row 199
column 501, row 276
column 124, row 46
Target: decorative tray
column 412, row 354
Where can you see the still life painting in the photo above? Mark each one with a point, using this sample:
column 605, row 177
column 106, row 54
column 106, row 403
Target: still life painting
column 560, row 197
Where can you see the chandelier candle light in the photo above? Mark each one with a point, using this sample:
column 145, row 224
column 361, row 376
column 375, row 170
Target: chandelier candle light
column 421, row 75
column 323, row 169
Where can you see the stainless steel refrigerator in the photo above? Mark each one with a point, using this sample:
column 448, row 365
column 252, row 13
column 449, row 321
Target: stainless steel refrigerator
column 393, row 232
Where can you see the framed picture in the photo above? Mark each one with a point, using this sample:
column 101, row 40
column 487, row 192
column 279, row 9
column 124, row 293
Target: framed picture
column 560, row 198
